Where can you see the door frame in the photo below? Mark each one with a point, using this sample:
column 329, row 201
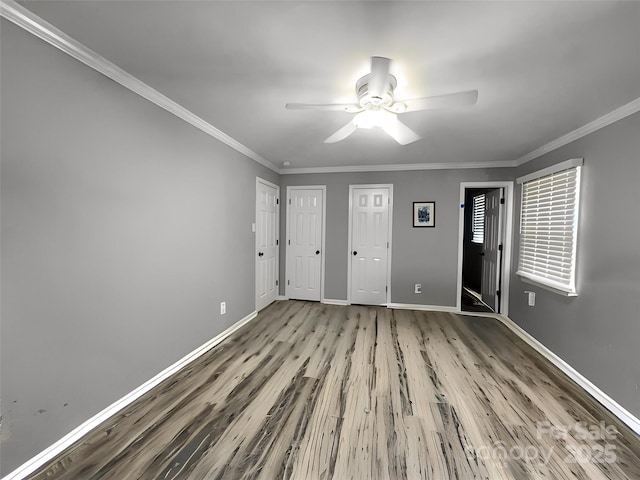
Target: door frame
column 324, row 233
column 389, row 236
column 255, row 242
column 507, row 240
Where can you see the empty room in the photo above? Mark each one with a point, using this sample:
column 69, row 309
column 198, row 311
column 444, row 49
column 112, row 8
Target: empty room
column 319, row 239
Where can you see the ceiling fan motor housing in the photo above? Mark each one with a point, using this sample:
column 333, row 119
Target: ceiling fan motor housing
column 375, row 102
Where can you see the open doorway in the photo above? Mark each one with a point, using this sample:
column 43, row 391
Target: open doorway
column 484, row 250
column 481, row 265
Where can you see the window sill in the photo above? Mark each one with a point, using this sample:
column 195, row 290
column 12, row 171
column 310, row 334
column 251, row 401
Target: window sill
column 547, row 287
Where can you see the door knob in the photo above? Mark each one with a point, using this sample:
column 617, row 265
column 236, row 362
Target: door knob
column 317, row 252
column 355, row 253
column 260, row 254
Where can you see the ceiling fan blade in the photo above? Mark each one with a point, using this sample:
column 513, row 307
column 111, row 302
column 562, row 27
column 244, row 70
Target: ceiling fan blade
column 400, row 132
column 440, row 101
column 379, row 80
column 333, row 107
column 343, row 133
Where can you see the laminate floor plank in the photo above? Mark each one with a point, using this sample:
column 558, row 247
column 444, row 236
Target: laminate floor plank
column 313, row 391
column 319, row 447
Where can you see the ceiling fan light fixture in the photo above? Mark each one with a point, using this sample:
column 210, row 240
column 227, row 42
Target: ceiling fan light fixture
column 398, row 107
column 372, row 100
column 376, row 106
column 374, row 118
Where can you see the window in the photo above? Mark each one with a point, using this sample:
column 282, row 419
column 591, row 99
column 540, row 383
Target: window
column 549, row 226
column 477, row 227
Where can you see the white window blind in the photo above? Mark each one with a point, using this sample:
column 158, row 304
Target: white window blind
column 477, row 227
column 549, row 227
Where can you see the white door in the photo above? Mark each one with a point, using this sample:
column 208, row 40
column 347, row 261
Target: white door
column 267, row 208
column 304, row 243
column 491, row 256
column 370, row 239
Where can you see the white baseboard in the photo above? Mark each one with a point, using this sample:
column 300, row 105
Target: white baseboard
column 610, row 404
column 45, row 456
column 605, row 400
column 331, row 301
column 426, row 308
column 328, row 301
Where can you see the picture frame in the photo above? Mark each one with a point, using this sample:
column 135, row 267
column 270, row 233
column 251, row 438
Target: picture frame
column 424, row 214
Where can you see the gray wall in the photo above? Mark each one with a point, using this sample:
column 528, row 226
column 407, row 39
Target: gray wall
column 121, row 226
column 598, row 332
column 420, row 255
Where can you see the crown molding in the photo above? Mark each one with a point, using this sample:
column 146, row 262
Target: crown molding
column 601, row 122
column 16, row 13
column 404, row 167
column 24, row 18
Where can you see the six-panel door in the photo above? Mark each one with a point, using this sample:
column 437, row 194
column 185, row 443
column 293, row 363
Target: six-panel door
column 304, row 245
column 266, row 244
column 369, row 245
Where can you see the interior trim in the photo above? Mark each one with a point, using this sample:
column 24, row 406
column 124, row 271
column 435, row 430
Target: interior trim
column 331, row 301
column 401, row 167
column 601, row 122
column 609, row 403
column 558, row 167
column 424, row 308
column 601, row 397
column 24, row 18
column 48, row 454
column 506, row 238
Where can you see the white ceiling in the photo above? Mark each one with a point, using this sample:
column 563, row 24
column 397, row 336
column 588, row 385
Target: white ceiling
column 542, row 69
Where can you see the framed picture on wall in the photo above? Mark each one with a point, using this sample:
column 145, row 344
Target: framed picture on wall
column 424, row 214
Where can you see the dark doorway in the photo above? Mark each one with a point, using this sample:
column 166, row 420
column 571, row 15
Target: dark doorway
column 474, row 250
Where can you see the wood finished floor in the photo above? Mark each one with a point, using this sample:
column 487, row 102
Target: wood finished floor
column 312, row 391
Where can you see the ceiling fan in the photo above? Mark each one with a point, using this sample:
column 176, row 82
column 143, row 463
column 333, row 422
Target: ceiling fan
column 376, row 106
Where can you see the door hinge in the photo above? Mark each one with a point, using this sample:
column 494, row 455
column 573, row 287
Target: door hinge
column 500, row 247
column 288, row 282
column 289, row 242
column 386, row 288
column 289, row 201
column 277, row 242
column 502, row 201
column 276, row 283
column 387, row 244
column 277, row 201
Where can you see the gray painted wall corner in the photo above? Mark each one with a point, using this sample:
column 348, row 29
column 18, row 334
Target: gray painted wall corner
column 596, row 332
column 121, row 226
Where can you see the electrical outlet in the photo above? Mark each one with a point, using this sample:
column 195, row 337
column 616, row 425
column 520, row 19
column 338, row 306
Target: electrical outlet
column 418, row 288
column 223, row 308
column 532, row 298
